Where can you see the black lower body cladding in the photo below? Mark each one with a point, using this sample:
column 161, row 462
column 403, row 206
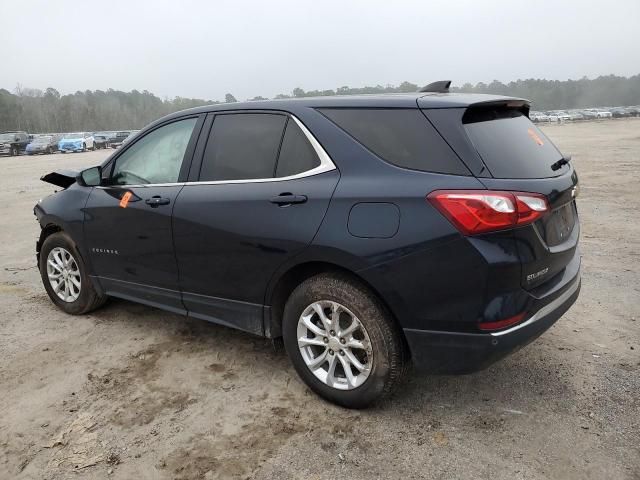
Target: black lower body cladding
column 458, row 353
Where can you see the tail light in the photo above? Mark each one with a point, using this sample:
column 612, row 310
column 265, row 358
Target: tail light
column 482, row 211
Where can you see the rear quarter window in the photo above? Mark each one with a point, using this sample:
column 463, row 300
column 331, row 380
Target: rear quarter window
column 510, row 145
column 402, row 137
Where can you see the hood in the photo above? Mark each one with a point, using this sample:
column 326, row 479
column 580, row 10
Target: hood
column 61, row 178
column 72, row 139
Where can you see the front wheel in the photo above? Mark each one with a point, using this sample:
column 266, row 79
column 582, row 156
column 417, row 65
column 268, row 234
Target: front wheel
column 65, row 277
column 14, row 151
column 84, row 147
column 342, row 341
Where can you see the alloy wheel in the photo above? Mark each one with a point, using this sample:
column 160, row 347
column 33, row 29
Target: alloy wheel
column 334, row 345
column 64, row 274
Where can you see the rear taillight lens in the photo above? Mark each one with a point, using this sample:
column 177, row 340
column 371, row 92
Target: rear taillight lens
column 482, row 211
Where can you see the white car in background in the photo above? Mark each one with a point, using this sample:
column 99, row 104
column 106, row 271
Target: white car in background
column 539, row 117
column 559, row 116
column 600, row 113
column 604, row 114
column 76, row 142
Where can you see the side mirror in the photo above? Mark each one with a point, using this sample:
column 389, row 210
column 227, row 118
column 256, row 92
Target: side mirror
column 17, row 139
column 91, row 177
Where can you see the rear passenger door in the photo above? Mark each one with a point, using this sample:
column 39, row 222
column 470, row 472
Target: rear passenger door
column 262, row 190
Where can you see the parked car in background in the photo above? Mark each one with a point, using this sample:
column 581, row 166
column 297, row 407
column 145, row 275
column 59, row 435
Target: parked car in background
column 130, row 137
column 574, row 115
column 13, row 142
column 102, row 139
column 588, row 114
column 601, row 113
column 539, row 117
column 43, row 144
column 634, row 111
column 559, row 116
column 76, row 142
column 119, row 138
column 366, row 231
column 620, row 112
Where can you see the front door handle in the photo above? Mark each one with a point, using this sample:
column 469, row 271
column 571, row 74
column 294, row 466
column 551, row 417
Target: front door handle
column 156, row 201
column 285, row 199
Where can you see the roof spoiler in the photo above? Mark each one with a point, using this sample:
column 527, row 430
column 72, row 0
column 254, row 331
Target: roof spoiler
column 441, row 86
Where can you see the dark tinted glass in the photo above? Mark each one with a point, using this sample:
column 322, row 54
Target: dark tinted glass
column 403, row 137
column 242, row 146
column 296, row 154
column 510, row 145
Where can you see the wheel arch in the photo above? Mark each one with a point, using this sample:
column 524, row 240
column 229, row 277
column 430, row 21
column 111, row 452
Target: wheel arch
column 47, row 230
column 300, row 272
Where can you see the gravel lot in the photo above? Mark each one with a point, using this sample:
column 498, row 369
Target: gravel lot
column 133, row 392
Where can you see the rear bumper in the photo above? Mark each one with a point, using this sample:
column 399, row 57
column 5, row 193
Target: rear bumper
column 452, row 352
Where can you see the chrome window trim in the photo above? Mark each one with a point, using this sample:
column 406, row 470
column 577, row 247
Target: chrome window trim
column 544, row 311
column 326, row 165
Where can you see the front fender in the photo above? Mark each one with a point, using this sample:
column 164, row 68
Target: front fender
column 64, row 210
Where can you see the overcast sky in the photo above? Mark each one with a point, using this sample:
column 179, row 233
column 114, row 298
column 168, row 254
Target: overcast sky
column 204, row 49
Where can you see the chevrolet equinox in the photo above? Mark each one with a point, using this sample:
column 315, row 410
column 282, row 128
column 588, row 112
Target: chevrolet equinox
column 368, row 232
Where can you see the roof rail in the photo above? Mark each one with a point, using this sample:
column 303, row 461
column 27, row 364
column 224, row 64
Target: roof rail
column 441, row 86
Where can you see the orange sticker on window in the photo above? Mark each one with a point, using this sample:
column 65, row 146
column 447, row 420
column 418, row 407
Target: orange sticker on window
column 124, row 201
column 534, row 136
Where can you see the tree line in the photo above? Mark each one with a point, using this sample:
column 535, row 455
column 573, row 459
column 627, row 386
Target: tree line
column 36, row 110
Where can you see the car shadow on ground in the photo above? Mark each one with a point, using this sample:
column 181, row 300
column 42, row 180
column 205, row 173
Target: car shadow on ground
column 530, row 376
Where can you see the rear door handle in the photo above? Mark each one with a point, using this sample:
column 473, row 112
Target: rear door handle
column 156, row 201
column 288, row 199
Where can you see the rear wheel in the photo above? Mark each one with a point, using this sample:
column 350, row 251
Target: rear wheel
column 84, row 147
column 65, row 277
column 49, row 150
column 342, row 341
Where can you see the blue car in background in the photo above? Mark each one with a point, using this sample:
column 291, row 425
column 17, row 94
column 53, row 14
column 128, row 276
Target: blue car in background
column 76, row 142
column 43, row 144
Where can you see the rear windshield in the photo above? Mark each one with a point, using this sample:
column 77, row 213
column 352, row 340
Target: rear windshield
column 510, row 145
column 403, row 137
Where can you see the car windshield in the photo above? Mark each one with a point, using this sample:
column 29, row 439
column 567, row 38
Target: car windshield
column 45, row 139
column 73, row 135
column 7, row 137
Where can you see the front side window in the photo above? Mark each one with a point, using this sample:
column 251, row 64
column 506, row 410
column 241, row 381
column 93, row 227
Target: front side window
column 155, row 158
column 242, row 146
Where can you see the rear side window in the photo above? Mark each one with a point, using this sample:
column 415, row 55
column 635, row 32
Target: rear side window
column 403, row 137
column 296, row 154
column 510, row 145
column 242, row 146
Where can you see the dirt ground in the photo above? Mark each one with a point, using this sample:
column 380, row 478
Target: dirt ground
column 131, row 392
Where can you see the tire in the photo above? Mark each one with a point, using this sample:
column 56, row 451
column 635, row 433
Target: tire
column 87, row 298
column 50, row 150
column 84, row 147
column 14, row 151
column 386, row 357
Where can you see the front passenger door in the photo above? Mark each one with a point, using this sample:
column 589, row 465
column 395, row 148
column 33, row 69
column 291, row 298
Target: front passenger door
column 128, row 220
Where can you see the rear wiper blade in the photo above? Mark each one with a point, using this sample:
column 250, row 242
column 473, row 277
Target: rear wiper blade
column 563, row 161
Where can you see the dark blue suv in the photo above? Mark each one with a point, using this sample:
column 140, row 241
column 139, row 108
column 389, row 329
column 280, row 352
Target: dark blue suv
column 369, row 232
